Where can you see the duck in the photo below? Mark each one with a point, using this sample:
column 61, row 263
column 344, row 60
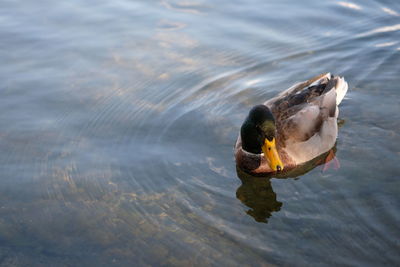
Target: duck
column 292, row 128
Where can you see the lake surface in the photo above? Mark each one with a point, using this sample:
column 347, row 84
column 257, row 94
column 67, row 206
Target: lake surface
column 118, row 121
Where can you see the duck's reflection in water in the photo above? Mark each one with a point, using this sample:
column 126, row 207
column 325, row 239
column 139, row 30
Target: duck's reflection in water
column 256, row 192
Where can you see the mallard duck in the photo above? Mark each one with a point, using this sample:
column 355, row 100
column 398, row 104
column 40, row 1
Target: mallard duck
column 292, row 128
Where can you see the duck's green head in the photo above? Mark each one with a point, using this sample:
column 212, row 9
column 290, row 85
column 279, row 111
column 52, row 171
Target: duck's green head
column 258, row 135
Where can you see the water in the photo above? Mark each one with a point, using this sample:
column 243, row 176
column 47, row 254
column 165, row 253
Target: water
column 118, row 120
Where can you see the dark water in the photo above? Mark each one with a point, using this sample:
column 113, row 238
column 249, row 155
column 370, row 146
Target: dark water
column 118, row 120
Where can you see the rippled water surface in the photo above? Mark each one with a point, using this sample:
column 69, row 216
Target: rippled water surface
column 118, row 120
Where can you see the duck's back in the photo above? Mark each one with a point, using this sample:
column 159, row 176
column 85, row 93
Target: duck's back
column 306, row 117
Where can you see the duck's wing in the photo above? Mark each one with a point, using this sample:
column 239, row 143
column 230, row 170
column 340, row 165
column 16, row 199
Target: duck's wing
column 306, row 116
column 298, row 87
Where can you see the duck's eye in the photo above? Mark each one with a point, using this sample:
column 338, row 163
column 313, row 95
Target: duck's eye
column 269, row 148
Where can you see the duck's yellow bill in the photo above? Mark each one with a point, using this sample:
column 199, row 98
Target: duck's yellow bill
column 272, row 156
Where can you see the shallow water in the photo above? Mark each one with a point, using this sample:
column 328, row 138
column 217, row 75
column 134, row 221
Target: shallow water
column 118, row 120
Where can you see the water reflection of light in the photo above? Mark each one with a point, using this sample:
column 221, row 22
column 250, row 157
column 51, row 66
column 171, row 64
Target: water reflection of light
column 252, row 82
column 386, row 44
column 380, row 30
column 349, row 5
column 390, row 11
